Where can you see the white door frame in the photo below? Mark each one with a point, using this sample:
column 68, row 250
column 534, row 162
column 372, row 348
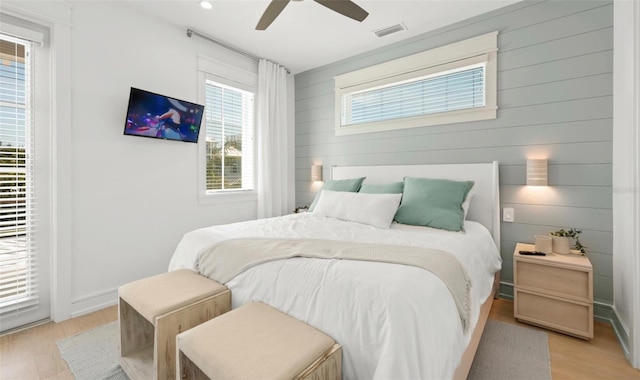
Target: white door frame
column 56, row 16
column 626, row 175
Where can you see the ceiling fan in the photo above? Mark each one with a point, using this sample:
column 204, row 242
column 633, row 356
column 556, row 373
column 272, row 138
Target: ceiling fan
column 344, row 7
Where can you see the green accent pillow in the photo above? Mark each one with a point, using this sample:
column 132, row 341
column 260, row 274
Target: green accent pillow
column 387, row 188
column 433, row 203
column 352, row 185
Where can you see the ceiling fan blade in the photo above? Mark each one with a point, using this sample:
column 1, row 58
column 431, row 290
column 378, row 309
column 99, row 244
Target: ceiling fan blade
column 270, row 14
column 345, row 7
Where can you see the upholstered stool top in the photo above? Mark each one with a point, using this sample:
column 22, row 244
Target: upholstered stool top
column 254, row 341
column 160, row 294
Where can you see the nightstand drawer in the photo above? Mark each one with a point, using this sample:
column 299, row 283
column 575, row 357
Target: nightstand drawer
column 573, row 318
column 553, row 280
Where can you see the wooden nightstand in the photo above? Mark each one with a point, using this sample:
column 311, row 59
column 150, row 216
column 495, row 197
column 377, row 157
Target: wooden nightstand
column 554, row 291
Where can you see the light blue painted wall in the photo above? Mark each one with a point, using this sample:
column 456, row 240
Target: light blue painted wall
column 555, row 99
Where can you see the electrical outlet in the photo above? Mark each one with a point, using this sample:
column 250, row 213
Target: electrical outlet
column 508, row 214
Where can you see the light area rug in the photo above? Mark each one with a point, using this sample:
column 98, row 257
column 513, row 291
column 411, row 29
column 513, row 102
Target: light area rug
column 506, row 352
column 94, row 354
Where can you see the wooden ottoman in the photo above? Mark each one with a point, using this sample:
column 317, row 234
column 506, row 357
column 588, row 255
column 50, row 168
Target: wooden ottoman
column 152, row 311
column 256, row 341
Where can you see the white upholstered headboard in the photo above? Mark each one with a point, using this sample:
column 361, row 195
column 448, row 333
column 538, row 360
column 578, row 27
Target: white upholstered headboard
column 485, row 205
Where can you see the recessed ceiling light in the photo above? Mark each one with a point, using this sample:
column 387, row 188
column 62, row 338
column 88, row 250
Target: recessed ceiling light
column 205, row 4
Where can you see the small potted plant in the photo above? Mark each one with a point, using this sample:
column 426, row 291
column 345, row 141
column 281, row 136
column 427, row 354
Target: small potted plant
column 561, row 238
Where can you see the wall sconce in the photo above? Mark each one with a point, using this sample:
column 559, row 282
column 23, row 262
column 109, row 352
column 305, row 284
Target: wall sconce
column 316, row 173
column 537, row 173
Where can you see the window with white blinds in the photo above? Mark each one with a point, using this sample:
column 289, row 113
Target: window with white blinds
column 229, row 125
column 18, row 261
column 449, row 84
column 442, row 92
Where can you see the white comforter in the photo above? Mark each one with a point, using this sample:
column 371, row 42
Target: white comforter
column 393, row 321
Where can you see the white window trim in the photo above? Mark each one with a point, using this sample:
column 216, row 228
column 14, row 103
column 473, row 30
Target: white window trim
column 23, row 33
column 482, row 48
column 56, row 122
column 221, row 72
column 44, row 167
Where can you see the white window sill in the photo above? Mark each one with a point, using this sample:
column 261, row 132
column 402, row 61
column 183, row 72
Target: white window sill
column 461, row 116
column 228, row 197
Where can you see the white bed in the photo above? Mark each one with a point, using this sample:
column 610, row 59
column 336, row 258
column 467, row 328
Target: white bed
column 393, row 321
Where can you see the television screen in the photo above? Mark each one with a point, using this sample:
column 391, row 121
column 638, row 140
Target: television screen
column 162, row 117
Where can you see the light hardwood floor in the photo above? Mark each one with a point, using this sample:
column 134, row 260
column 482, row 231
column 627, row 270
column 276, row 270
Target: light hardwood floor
column 573, row 358
column 33, row 354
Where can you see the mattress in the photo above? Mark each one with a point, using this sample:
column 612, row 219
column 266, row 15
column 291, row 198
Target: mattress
column 393, row 321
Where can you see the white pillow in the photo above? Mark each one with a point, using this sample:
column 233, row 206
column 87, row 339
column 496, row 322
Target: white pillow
column 374, row 209
column 467, row 202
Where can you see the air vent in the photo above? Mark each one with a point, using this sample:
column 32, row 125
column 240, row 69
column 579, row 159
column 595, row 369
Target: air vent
column 390, row 29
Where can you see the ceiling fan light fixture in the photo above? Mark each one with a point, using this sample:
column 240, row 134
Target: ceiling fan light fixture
column 345, row 7
column 205, row 4
column 390, row 29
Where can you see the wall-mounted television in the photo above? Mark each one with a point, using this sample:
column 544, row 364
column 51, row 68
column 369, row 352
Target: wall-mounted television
column 163, row 117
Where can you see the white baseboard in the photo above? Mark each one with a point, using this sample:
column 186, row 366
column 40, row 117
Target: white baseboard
column 621, row 333
column 93, row 302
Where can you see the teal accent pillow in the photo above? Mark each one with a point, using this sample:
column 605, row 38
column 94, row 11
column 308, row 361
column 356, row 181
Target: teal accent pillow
column 433, row 203
column 351, row 185
column 387, row 188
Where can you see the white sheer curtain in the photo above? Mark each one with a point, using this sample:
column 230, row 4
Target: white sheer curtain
column 275, row 142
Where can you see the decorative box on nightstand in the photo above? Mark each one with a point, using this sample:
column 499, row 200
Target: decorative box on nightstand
column 554, row 291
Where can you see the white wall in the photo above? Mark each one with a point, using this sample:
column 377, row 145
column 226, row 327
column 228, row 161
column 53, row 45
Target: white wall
column 121, row 203
column 133, row 198
column 626, row 176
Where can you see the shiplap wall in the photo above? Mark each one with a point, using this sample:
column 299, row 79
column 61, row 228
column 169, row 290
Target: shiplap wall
column 555, row 102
